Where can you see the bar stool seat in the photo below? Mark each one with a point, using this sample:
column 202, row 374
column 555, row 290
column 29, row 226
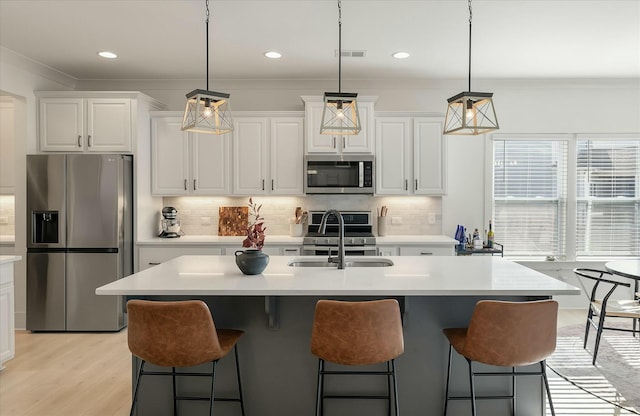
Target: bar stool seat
column 357, row 334
column 505, row 334
column 179, row 334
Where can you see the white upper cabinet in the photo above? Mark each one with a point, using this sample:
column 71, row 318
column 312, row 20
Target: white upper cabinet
column 185, row 163
column 410, row 156
column 268, row 155
column 287, row 151
column 73, row 124
column 250, row 155
column 337, row 144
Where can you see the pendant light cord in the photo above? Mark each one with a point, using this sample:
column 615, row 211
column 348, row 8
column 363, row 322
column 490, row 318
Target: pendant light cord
column 470, row 18
column 207, row 42
column 339, row 46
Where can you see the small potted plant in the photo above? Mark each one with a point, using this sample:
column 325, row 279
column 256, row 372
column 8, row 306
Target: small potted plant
column 253, row 260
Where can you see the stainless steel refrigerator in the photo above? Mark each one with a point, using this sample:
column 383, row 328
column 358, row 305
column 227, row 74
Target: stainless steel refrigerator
column 79, row 237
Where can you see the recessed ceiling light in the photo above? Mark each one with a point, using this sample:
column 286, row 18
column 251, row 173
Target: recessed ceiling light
column 400, row 55
column 106, row 54
column 273, row 54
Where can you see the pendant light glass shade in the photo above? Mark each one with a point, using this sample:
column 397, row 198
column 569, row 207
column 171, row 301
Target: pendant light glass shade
column 207, row 112
column 470, row 113
column 340, row 114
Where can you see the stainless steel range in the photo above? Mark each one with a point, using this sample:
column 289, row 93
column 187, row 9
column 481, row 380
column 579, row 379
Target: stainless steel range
column 358, row 235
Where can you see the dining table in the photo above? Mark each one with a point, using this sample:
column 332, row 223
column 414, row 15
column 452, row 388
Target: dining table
column 626, row 268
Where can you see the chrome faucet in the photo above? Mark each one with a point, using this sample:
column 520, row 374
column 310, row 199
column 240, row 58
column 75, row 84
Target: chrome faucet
column 322, row 230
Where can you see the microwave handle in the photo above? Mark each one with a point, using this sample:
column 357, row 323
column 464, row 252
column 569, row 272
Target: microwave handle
column 360, row 174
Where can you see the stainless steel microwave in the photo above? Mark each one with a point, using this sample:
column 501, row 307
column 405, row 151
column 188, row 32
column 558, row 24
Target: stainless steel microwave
column 333, row 174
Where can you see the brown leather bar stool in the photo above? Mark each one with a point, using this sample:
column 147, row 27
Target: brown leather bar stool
column 505, row 334
column 356, row 334
column 179, row 334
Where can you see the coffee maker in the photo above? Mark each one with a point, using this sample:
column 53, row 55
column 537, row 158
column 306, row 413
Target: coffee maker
column 170, row 224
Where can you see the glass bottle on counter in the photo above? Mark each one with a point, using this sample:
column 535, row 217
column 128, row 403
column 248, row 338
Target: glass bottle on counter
column 490, row 236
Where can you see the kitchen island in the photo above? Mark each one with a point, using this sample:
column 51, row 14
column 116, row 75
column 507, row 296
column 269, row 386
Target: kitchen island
column 276, row 311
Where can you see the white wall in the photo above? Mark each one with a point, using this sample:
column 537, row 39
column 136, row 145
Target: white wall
column 20, row 77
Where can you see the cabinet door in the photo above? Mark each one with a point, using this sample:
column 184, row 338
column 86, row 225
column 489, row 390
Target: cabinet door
column 316, row 142
column 429, row 163
column 7, row 328
column 62, row 124
column 431, row 250
column 393, row 160
column 287, row 155
column 363, row 141
column 169, row 157
column 250, row 156
column 210, row 164
column 109, row 125
column 323, row 143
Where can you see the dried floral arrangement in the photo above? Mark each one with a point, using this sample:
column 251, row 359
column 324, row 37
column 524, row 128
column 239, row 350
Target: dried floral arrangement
column 256, row 228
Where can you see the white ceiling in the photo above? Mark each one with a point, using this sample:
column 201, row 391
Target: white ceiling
column 165, row 39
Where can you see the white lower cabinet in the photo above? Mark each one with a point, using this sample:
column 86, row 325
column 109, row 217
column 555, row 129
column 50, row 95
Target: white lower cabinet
column 152, row 256
column 431, row 250
column 7, row 314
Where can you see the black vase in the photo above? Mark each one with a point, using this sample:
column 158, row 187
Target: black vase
column 251, row 261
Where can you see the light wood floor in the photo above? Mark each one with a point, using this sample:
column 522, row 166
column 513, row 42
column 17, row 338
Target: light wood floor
column 65, row 374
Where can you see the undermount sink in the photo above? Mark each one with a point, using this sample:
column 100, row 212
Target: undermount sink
column 312, row 262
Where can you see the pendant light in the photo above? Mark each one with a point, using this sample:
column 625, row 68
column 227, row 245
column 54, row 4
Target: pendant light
column 340, row 114
column 207, row 111
column 470, row 113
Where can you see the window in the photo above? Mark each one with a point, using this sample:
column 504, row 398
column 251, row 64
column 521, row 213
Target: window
column 530, row 191
column 608, row 197
column 531, row 179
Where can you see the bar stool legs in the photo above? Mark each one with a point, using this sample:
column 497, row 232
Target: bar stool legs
column 392, row 387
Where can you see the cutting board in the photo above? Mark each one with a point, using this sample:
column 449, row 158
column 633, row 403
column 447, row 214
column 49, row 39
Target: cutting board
column 233, row 221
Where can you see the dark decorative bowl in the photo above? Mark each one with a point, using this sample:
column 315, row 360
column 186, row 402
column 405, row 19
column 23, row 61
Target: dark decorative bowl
column 251, row 261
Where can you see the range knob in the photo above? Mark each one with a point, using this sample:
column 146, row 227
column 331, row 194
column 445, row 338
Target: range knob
column 353, row 241
column 327, row 241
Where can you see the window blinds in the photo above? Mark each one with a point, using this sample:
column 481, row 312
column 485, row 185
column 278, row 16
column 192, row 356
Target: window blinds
column 529, row 196
column 608, row 198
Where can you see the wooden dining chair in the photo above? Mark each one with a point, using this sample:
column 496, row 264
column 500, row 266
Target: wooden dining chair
column 604, row 307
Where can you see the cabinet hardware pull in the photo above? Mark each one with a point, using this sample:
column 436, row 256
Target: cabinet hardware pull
column 89, row 141
column 194, row 184
column 185, row 184
column 287, row 250
column 406, row 184
column 344, row 142
column 263, row 184
column 79, row 141
column 425, row 253
column 416, row 185
column 272, row 184
column 153, row 263
column 334, row 142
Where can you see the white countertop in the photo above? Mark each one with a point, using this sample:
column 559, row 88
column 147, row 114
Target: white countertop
column 285, row 239
column 9, row 259
column 416, row 239
column 410, row 276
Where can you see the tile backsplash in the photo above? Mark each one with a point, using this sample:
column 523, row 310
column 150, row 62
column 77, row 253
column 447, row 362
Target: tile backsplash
column 415, row 215
column 7, row 215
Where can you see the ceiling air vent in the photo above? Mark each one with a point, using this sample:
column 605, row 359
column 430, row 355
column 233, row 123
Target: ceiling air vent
column 351, row 54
